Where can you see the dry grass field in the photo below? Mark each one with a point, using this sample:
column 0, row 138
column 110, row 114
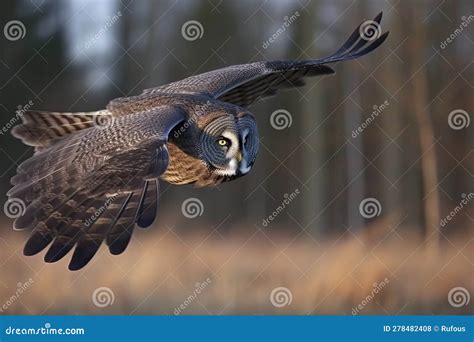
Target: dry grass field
column 206, row 273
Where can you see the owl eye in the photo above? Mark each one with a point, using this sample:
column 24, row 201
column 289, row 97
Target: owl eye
column 223, row 142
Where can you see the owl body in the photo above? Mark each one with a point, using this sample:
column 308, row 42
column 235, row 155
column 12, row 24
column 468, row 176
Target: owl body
column 94, row 176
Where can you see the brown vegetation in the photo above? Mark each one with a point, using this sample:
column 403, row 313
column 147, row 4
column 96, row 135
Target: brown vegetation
column 158, row 274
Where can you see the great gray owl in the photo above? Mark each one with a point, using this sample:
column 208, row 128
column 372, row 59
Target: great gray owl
column 94, row 175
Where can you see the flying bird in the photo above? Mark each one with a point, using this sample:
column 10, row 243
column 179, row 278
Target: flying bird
column 95, row 175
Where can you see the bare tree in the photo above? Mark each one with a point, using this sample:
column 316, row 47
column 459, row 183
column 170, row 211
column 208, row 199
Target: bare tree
column 425, row 133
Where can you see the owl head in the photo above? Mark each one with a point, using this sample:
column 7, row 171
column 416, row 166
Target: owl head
column 228, row 144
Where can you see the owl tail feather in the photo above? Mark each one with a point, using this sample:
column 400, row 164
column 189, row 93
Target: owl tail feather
column 41, row 128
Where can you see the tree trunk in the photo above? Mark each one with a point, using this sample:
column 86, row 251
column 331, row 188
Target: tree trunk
column 425, row 136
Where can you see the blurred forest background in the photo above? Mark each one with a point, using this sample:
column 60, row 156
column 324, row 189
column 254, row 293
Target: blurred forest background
column 322, row 253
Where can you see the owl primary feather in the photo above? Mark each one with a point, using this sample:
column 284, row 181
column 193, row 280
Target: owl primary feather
column 94, row 176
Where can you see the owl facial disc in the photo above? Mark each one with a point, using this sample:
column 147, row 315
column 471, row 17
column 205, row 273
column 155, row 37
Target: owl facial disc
column 229, row 145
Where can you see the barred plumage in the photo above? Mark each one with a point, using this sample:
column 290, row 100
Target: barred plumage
column 95, row 175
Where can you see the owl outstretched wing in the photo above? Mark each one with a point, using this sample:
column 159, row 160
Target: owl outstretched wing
column 94, row 185
column 244, row 84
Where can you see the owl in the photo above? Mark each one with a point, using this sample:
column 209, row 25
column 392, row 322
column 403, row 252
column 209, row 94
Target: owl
column 94, row 176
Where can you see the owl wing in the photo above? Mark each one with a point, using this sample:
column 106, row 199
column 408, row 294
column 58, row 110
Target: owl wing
column 94, row 185
column 244, row 84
